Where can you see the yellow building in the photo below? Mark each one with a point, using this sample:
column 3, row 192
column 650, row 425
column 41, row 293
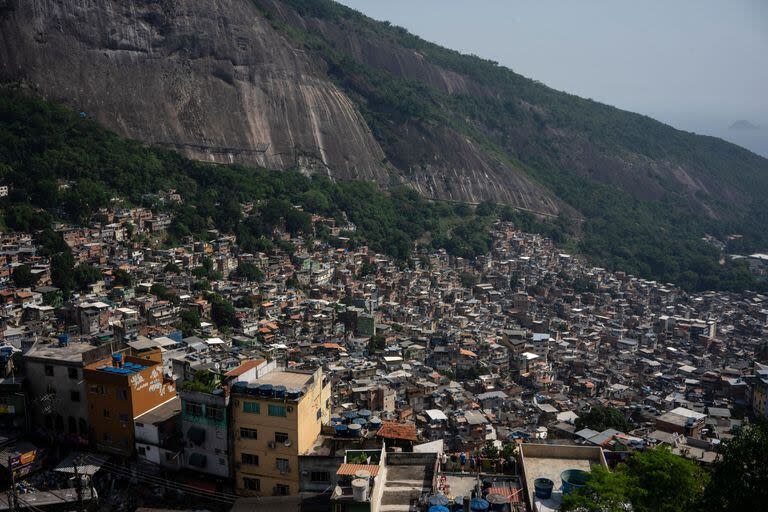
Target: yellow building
column 276, row 418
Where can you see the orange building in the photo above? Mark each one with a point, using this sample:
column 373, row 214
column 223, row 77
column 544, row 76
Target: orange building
column 120, row 389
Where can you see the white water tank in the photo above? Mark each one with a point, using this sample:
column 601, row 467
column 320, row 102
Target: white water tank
column 360, row 489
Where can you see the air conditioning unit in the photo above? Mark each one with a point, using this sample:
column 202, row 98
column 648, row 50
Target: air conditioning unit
column 289, row 408
column 272, row 444
column 287, row 443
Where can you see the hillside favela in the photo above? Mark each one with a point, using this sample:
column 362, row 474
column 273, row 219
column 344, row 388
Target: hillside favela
column 291, row 255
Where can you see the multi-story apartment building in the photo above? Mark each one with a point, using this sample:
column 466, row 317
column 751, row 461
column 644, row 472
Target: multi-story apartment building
column 275, row 419
column 120, row 389
column 57, row 392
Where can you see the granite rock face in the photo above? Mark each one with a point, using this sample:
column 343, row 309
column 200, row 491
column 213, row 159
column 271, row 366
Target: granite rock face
column 216, row 81
column 210, row 78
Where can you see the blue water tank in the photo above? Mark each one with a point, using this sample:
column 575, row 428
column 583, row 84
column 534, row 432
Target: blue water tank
column 63, row 340
column 266, row 390
column 478, row 505
column 279, row 391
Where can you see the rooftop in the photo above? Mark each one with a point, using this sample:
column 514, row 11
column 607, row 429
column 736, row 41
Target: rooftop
column 549, row 461
column 71, row 353
column 289, row 379
column 162, row 412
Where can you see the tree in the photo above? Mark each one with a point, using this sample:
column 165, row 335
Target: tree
column 600, row 418
column 62, row 274
column 376, row 343
column 223, row 312
column 85, row 275
column 189, row 321
column 605, row 491
column 655, row 480
column 665, row 482
column 172, row 268
column 23, row 277
column 122, row 278
column 739, row 479
column 249, row 272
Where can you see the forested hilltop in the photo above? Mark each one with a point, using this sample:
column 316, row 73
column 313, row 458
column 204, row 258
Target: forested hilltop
column 60, row 165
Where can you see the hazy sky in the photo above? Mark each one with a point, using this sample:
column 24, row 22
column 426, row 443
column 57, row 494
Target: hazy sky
column 699, row 65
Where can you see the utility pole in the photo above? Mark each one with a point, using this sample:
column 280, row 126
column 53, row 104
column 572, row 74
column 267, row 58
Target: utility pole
column 78, row 488
column 13, row 503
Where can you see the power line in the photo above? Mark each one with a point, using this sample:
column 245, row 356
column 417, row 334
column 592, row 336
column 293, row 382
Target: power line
column 165, row 481
column 212, row 497
column 201, row 493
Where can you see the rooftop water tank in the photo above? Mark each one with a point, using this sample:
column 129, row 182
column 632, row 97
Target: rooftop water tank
column 253, row 389
column 354, row 429
column 478, row 505
column 279, row 392
column 438, row 499
column 266, row 390
column 240, row 387
column 360, row 489
column 573, row 479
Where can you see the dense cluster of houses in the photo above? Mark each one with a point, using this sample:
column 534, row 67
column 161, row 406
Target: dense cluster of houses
column 339, row 374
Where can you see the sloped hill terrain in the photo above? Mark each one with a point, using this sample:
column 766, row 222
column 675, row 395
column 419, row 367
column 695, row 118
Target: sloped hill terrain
column 317, row 87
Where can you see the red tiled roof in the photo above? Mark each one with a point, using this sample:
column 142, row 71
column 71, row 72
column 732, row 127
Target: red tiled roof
column 392, row 430
column 351, row 469
column 244, row 367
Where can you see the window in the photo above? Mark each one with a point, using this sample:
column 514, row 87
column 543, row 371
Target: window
column 193, row 409
column 319, row 413
column 72, row 372
column 48, row 370
column 282, row 465
column 96, row 390
column 74, row 396
column 249, row 458
column 122, row 394
column 251, row 484
column 248, row 433
column 252, row 407
column 106, row 413
column 142, row 451
column 139, row 425
column 124, row 416
column 276, row 410
column 282, row 490
column 222, row 462
column 281, row 437
column 322, row 477
column 214, row 413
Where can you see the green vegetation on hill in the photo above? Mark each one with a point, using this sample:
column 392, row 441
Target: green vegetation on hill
column 59, row 165
column 538, row 129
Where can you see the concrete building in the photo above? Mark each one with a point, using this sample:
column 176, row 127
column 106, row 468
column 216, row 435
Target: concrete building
column 57, row 389
column 158, row 435
column 276, row 418
column 121, row 389
column 205, row 429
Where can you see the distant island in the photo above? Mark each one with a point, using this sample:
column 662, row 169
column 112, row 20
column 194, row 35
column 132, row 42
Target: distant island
column 743, row 124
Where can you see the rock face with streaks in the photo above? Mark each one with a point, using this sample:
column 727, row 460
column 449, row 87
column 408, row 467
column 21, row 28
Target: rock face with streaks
column 210, row 78
column 315, row 86
column 216, row 81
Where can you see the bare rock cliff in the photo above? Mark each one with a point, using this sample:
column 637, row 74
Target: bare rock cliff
column 210, row 78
